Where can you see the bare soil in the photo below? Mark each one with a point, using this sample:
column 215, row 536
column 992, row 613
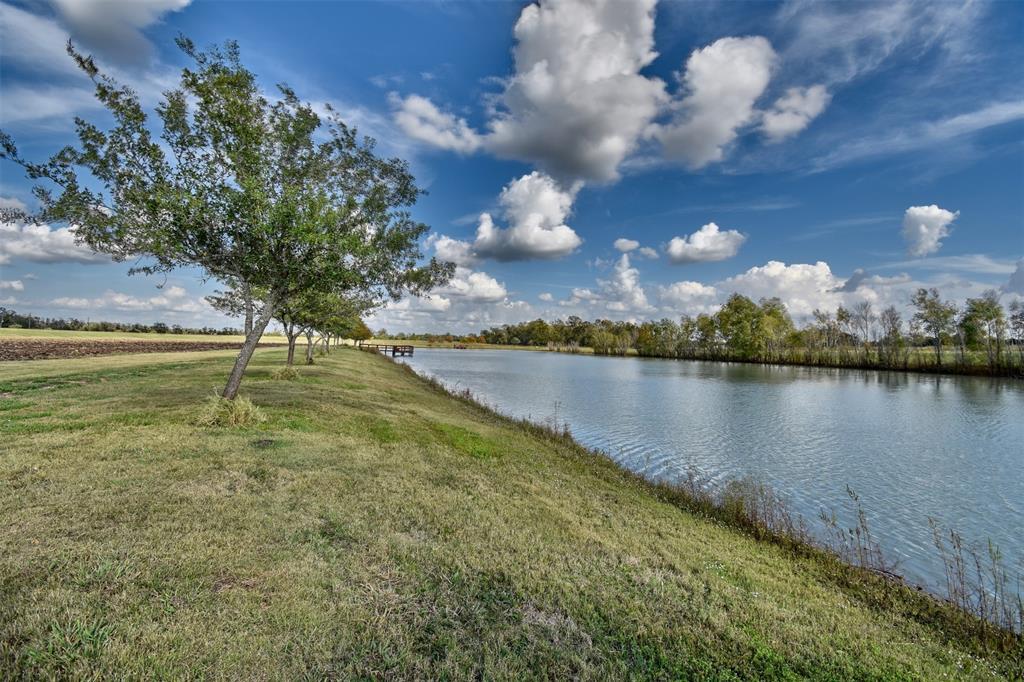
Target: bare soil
column 47, row 349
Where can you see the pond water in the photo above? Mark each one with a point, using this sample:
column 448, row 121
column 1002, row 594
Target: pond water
column 912, row 446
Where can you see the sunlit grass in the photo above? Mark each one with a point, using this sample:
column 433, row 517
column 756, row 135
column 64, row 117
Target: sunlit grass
column 373, row 526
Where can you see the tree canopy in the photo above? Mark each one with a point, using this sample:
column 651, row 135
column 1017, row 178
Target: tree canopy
column 270, row 195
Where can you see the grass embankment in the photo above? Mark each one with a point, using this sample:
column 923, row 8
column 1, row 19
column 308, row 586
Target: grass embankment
column 374, row 526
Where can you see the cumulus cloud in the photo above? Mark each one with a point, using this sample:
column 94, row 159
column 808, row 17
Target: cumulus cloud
column 622, row 291
column 686, row 297
column 173, row 299
column 473, row 286
column 793, row 112
column 546, row 297
column 708, row 243
column 11, row 285
column 42, row 244
column 801, row 286
column 421, row 120
column 536, row 209
column 722, row 82
column 924, row 228
column 577, row 104
column 626, row 245
column 113, row 28
column 452, row 250
column 647, row 252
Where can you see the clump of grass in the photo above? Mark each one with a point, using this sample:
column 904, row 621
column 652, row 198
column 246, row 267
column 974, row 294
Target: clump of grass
column 219, row 411
column 69, row 644
column 978, row 581
column 286, row 373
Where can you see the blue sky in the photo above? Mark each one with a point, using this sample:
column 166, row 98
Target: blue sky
column 605, row 159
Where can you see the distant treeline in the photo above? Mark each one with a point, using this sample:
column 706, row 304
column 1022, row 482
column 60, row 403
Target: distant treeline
column 14, row 320
column 980, row 337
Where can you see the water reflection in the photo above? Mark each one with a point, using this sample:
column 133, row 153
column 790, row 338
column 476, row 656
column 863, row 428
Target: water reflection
column 911, row 445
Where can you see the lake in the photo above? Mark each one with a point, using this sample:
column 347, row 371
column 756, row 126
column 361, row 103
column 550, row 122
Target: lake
column 912, row 446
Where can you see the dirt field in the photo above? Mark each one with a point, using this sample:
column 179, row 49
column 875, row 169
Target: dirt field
column 46, row 349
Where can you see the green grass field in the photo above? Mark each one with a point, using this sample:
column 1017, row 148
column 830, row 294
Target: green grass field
column 375, row 527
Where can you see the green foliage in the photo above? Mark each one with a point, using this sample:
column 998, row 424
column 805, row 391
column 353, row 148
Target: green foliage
column 260, row 193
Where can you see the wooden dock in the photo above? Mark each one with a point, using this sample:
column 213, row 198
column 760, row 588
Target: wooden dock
column 387, row 349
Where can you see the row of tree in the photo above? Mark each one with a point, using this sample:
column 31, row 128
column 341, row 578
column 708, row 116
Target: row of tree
column 980, row 335
column 293, row 212
column 13, row 319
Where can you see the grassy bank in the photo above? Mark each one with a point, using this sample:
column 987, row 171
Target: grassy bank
column 373, row 526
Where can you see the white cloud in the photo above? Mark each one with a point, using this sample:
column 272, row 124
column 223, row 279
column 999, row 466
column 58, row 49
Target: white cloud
column 622, row 291
column 801, row 286
column 421, row 120
column 12, row 285
column 452, row 250
column 546, row 297
column 536, row 209
column 976, row 262
column 174, row 299
column 577, row 104
column 924, row 136
column 690, row 298
column 706, row 244
column 842, row 41
column 473, row 286
column 794, row 111
column 924, row 228
column 648, row 252
column 626, row 245
column 722, row 81
column 12, row 203
column 42, row 244
column 114, row 27
column 9, row 300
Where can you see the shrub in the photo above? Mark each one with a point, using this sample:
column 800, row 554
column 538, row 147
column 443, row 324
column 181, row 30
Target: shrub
column 219, row 411
column 285, row 373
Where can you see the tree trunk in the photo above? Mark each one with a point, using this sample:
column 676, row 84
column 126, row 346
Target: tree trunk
column 248, row 309
column 309, row 348
column 244, row 355
column 291, row 348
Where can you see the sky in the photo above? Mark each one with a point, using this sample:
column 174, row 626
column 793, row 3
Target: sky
column 607, row 159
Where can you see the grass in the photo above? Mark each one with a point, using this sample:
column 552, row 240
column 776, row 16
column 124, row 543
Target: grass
column 374, row 526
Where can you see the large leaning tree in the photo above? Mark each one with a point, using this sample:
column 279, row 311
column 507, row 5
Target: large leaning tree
column 260, row 193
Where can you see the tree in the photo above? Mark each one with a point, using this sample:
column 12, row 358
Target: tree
column 987, row 321
column 934, row 316
column 892, row 334
column 262, row 193
column 737, row 322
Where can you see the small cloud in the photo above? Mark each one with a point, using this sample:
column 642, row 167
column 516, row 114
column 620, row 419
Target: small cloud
column 707, row 244
column 924, row 228
column 626, row 245
column 546, row 297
